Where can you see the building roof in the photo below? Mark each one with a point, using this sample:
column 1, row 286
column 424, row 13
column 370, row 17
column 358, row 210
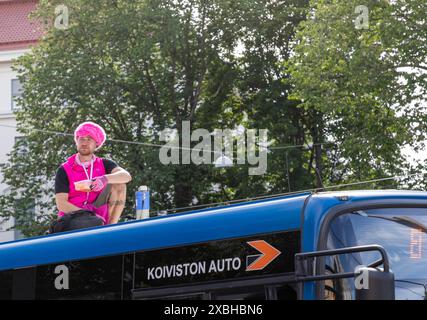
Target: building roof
column 17, row 31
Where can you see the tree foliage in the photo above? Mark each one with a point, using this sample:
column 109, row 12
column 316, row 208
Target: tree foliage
column 365, row 83
column 331, row 95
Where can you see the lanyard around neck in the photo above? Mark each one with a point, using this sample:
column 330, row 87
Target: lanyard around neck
column 89, row 177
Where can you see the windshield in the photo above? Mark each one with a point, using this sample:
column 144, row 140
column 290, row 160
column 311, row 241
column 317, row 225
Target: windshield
column 401, row 231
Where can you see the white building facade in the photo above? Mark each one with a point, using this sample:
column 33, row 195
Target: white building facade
column 9, row 87
column 17, row 35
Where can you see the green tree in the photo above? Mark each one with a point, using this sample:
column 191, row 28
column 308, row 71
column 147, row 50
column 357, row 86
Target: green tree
column 355, row 73
column 330, row 94
column 136, row 68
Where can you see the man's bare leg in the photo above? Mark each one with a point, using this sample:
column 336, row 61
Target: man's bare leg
column 116, row 202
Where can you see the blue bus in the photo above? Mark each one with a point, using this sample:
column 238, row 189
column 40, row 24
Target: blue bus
column 310, row 246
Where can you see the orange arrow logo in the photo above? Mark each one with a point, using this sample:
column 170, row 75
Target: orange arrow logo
column 269, row 253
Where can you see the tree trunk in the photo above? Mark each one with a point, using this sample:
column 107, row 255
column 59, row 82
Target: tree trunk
column 317, row 140
column 183, row 176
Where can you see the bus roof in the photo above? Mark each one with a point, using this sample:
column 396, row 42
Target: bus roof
column 225, row 222
column 234, row 221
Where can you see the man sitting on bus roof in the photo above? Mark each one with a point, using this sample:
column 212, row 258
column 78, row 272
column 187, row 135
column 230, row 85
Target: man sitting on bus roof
column 87, row 188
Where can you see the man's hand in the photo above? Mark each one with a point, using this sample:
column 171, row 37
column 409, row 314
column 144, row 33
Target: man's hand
column 98, row 183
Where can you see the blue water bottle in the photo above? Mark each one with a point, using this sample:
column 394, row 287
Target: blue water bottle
column 142, row 197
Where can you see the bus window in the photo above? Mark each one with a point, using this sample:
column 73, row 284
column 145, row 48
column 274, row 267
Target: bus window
column 400, row 231
column 6, row 278
column 99, row 278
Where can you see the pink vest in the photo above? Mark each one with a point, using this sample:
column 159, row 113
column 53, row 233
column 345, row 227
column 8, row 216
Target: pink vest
column 75, row 172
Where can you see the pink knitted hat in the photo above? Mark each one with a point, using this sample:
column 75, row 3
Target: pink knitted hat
column 92, row 130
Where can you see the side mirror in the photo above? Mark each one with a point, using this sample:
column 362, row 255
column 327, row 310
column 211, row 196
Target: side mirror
column 373, row 284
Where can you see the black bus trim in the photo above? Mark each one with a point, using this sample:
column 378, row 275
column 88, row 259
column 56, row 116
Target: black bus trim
column 150, row 293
